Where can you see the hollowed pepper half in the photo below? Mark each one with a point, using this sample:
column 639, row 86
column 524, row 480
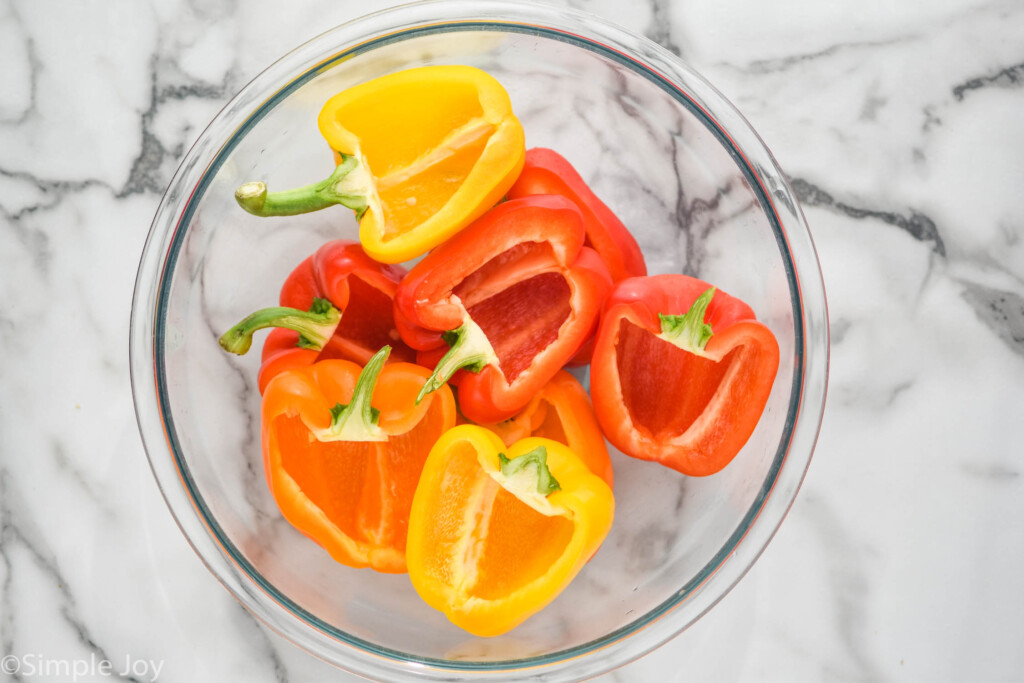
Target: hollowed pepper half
column 561, row 411
column 337, row 303
column 548, row 172
column 421, row 153
column 681, row 372
column 511, row 298
column 496, row 534
column 343, row 449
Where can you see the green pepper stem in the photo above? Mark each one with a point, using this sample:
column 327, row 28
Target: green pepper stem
column 470, row 349
column 533, row 464
column 358, row 421
column 349, row 185
column 689, row 331
column 315, row 326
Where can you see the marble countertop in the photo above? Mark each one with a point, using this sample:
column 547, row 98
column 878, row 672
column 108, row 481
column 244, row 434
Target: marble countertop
column 901, row 128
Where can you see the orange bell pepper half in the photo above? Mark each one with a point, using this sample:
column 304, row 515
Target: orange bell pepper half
column 681, row 372
column 338, row 275
column 495, row 537
column 421, row 153
column 511, row 298
column 343, row 448
column 561, row 411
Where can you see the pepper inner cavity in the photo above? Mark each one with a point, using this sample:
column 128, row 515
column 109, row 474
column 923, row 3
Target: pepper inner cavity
column 518, row 302
column 664, row 387
column 519, row 546
column 428, row 189
column 362, row 324
column 523, row 319
column 412, row 185
column 364, row 488
column 487, row 542
column 380, row 121
column 334, row 475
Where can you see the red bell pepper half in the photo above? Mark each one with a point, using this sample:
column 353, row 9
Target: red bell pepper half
column 681, row 372
column 548, row 172
column 511, row 298
column 337, row 303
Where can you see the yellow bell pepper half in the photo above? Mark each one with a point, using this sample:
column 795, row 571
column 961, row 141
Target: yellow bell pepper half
column 421, row 154
column 496, row 534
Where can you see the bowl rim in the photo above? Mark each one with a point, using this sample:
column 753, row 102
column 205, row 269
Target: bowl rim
column 766, row 180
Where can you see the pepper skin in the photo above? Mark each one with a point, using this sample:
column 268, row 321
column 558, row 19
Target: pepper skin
column 341, row 474
column 421, row 153
column 681, row 372
column 515, row 295
column 548, row 172
column 359, row 288
column 561, row 411
column 492, row 538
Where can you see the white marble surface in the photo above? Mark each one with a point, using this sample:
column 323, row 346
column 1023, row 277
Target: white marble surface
column 901, row 127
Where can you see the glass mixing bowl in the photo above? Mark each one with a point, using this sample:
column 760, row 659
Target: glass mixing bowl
column 676, row 162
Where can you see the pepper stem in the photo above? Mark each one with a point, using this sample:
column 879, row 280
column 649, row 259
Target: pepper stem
column 349, row 185
column 532, row 465
column 315, row 326
column 358, row 421
column 470, row 349
column 689, row 331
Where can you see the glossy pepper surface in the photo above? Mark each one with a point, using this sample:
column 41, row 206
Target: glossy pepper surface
column 681, row 372
column 496, row 534
column 360, row 289
column 512, row 297
column 548, row 172
column 561, row 411
column 421, row 153
column 343, row 448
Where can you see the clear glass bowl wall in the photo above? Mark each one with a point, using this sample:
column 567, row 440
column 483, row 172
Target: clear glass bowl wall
column 696, row 204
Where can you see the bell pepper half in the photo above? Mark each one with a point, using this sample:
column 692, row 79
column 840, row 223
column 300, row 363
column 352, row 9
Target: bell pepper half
column 496, row 534
column 343, row 448
column 681, row 372
column 561, row 411
column 511, row 298
column 421, row 153
column 335, row 304
column 548, row 172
